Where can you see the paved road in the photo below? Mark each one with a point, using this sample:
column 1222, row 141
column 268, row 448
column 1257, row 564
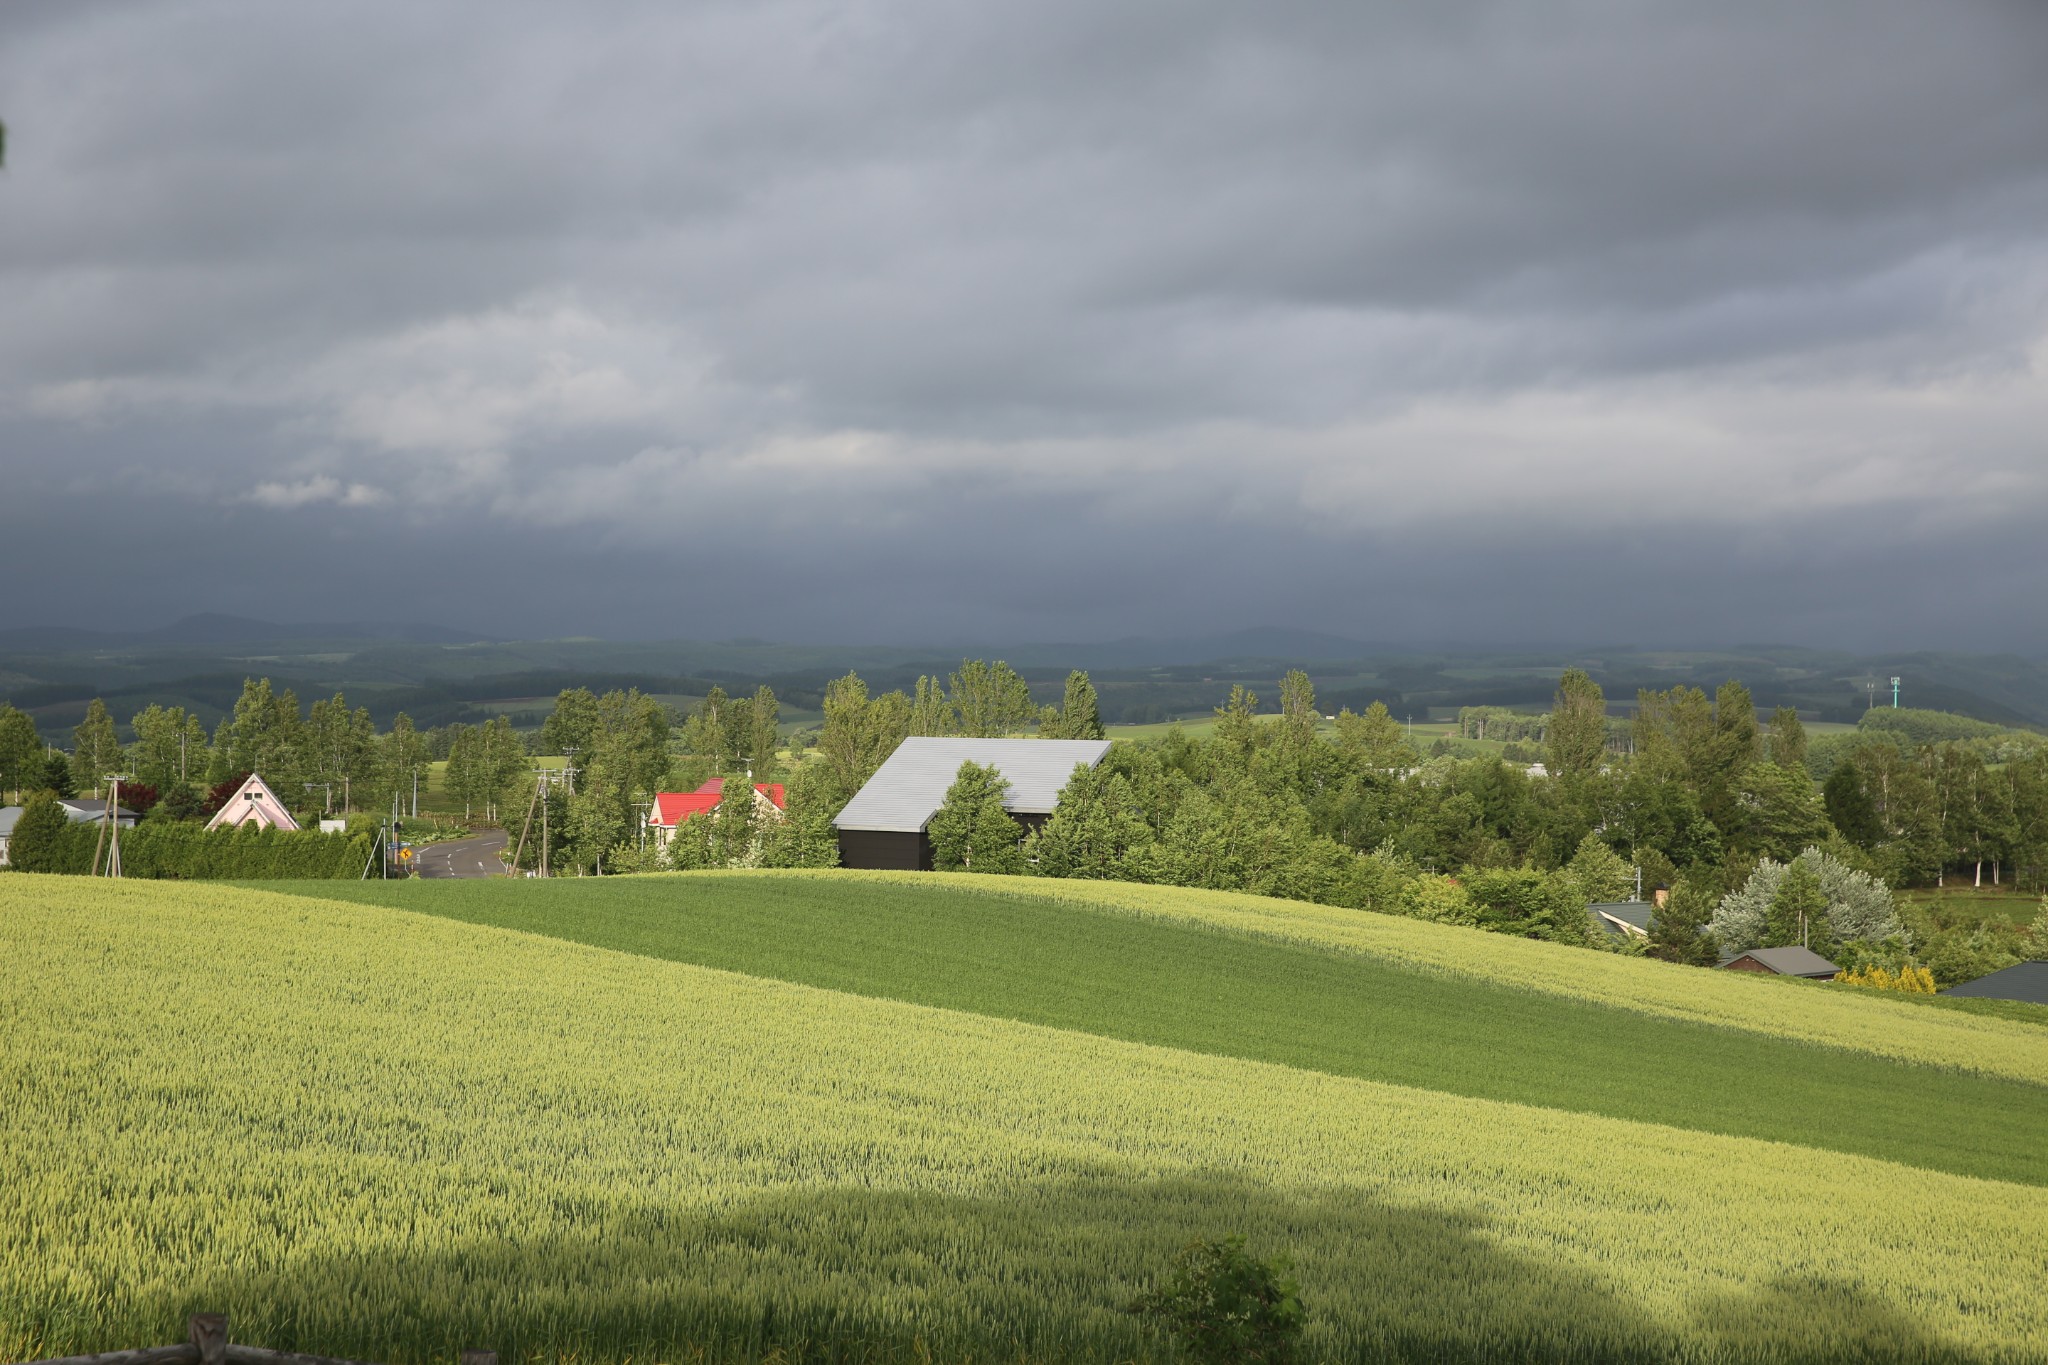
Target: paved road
column 480, row 855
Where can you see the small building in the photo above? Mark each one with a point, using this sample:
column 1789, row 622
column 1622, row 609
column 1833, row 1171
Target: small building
column 253, row 803
column 2023, row 981
column 672, row 808
column 884, row 825
column 79, row 810
column 1793, row 961
column 1623, row 919
column 8, row 816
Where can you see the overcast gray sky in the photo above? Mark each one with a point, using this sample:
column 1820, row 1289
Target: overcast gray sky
column 1657, row 322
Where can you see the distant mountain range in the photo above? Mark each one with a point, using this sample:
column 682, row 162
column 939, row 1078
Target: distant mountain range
column 1257, row 642
column 212, row 629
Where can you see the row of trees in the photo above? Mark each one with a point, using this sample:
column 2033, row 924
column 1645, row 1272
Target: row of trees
column 326, row 757
column 1700, row 795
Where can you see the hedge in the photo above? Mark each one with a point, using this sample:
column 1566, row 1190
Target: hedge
column 186, row 851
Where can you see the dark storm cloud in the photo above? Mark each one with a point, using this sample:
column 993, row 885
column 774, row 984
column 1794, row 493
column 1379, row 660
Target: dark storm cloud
column 886, row 320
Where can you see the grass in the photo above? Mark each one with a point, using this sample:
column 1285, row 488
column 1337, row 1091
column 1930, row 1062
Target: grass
column 384, row 1135
column 1069, row 965
column 1962, row 904
column 1865, row 1021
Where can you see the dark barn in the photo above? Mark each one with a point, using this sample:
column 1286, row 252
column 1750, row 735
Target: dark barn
column 883, row 826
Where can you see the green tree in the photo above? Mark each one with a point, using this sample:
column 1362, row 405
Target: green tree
column 1600, row 871
column 38, row 835
column 1679, row 929
column 860, row 731
column 95, row 750
column 21, row 751
column 170, row 747
column 1298, row 714
column 1849, row 807
column 1080, row 713
column 1227, row 1307
column 572, row 723
column 1096, row 830
column 1531, row 904
column 971, row 830
column 804, row 837
column 402, row 754
column 1237, row 731
column 1576, row 740
column 1374, row 741
column 764, row 736
column 1786, row 744
column 56, row 776
column 263, row 736
column 993, row 701
column 1778, row 813
column 1796, row 909
column 716, row 731
column 930, row 711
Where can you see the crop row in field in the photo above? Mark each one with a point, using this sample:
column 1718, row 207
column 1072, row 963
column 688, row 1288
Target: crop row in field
column 1183, row 984
column 390, row 1135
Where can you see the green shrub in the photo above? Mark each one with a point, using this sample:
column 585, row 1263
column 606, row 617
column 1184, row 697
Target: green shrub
column 177, row 850
column 1225, row 1306
column 38, row 841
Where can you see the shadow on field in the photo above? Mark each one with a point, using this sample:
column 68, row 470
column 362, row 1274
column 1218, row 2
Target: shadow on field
column 1038, row 1273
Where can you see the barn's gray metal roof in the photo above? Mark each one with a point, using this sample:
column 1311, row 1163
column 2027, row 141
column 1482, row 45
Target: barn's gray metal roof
column 911, row 784
column 1792, row 961
column 2026, row 981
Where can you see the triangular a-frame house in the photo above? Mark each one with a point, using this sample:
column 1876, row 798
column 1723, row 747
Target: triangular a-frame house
column 253, row 803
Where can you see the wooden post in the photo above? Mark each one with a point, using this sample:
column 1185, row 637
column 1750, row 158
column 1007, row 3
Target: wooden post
column 209, row 1332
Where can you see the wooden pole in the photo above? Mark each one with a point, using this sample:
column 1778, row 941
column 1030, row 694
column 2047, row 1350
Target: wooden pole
column 99, row 842
column 114, row 827
column 521, row 849
column 209, row 1332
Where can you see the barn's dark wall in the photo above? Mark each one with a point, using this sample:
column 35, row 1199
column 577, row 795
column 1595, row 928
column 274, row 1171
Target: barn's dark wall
column 889, row 851
column 884, row 850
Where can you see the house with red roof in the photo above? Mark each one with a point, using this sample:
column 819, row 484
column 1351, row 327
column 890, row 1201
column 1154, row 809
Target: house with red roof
column 672, row 808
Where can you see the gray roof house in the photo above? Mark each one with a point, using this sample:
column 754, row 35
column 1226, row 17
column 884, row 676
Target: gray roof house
column 81, row 809
column 1793, row 961
column 884, row 825
column 1622, row 918
column 78, row 812
column 2023, row 981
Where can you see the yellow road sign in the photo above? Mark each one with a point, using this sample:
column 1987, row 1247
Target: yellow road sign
column 405, row 855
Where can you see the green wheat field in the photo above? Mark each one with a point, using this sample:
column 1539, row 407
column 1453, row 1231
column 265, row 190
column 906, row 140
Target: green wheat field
column 864, row 1117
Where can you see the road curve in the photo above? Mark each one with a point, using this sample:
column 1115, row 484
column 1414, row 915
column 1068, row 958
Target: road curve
column 480, row 855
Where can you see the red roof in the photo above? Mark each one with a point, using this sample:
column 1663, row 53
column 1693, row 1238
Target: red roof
column 672, row 808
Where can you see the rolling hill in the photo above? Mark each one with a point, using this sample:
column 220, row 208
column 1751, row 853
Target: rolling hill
column 788, row 1117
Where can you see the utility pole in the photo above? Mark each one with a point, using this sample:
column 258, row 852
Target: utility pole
column 110, row 824
column 415, row 791
column 1870, row 694
column 544, row 835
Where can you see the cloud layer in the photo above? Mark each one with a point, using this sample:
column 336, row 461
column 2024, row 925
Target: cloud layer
column 893, row 321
